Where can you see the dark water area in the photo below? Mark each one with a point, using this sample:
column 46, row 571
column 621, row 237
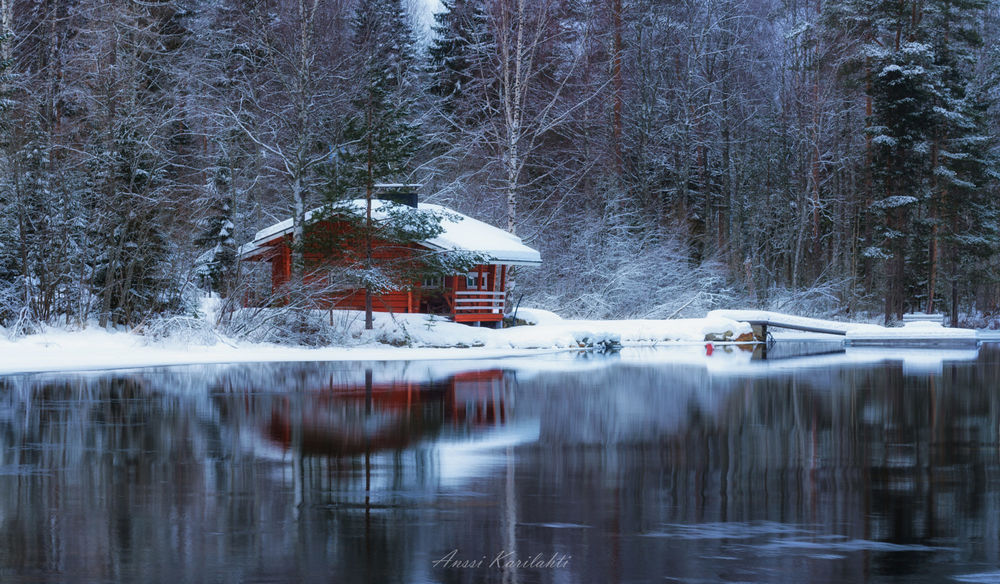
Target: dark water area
column 647, row 466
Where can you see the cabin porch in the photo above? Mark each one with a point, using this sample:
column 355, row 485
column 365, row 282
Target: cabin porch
column 476, row 297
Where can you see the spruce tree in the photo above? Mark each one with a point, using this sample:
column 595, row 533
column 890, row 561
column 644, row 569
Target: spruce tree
column 457, row 54
column 380, row 136
column 217, row 263
column 961, row 215
column 901, row 92
column 927, row 139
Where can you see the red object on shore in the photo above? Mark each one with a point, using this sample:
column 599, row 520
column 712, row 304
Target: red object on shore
column 709, row 349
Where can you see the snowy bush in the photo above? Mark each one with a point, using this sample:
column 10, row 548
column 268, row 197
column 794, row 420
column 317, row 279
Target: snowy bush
column 17, row 317
column 295, row 327
column 626, row 273
column 978, row 320
column 821, row 300
column 182, row 330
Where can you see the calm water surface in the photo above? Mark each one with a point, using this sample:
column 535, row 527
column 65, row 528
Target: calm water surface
column 648, row 466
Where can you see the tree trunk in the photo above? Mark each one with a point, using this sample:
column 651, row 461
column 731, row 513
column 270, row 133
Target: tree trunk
column 369, row 188
column 6, row 28
column 954, row 301
column 616, row 74
column 513, row 101
column 866, row 218
column 896, row 271
column 298, row 231
column 932, row 252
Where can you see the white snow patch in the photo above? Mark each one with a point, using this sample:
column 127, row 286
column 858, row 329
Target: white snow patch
column 777, row 319
column 537, row 316
column 915, row 330
column 979, row 578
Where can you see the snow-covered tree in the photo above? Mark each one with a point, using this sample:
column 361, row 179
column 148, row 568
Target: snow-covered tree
column 458, row 56
column 961, row 213
column 379, row 137
column 217, row 263
column 287, row 94
column 915, row 60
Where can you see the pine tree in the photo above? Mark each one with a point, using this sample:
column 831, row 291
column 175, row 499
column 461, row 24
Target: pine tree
column 458, row 54
column 961, row 215
column 380, row 136
column 459, row 86
column 926, row 162
column 901, row 92
column 217, row 263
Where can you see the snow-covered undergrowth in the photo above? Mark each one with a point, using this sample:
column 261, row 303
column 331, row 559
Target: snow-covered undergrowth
column 252, row 336
column 979, row 320
column 548, row 331
column 818, row 301
column 595, row 273
column 178, row 330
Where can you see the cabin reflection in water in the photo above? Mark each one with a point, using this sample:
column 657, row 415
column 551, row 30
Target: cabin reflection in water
column 351, row 419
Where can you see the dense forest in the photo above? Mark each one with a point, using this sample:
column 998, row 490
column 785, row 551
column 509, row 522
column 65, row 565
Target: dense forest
column 831, row 157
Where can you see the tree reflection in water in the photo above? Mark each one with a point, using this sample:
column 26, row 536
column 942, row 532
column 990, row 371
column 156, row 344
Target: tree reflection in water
column 852, row 471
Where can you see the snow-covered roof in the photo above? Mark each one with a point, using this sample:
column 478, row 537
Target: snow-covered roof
column 461, row 233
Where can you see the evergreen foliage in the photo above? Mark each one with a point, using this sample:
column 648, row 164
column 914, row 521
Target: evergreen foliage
column 396, row 232
column 458, row 54
column 381, row 137
column 217, row 264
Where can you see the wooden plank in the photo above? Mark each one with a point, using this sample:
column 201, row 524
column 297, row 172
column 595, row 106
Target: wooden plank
column 808, row 329
column 762, row 318
column 478, row 317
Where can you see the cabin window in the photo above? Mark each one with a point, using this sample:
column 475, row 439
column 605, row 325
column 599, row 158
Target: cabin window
column 471, row 281
column 431, row 282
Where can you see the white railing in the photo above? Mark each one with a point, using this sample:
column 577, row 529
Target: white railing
column 479, row 301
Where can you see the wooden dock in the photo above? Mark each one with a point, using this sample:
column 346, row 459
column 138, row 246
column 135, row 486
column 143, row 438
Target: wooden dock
column 918, row 330
column 761, row 320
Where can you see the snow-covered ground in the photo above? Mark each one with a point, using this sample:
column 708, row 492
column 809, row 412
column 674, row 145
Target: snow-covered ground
column 913, row 331
column 407, row 337
column 395, row 337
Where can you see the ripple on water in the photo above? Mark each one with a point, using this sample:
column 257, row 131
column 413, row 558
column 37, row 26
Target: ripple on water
column 980, row 578
column 728, row 530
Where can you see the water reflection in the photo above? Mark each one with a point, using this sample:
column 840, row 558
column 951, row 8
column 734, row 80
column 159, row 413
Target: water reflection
column 773, row 351
column 343, row 419
column 636, row 467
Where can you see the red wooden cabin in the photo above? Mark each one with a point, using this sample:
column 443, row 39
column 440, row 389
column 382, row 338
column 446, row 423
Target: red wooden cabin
column 474, row 297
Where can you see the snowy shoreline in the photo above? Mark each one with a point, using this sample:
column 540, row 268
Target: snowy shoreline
column 407, row 337
column 394, row 338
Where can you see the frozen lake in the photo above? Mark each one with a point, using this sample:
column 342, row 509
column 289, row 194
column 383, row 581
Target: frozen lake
column 655, row 465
